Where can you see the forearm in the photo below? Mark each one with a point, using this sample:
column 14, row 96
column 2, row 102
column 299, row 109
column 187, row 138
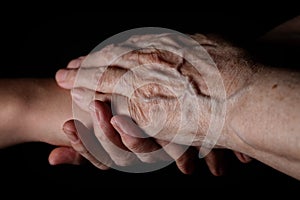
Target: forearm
column 33, row 110
column 267, row 120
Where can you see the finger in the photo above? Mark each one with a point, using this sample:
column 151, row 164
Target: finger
column 65, row 155
column 136, row 51
column 127, row 73
column 111, row 79
column 93, row 65
column 108, row 137
column 184, row 156
column 203, row 40
column 65, row 78
column 101, row 79
column 83, row 77
column 242, row 157
column 75, row 63
column 83, row 97
column 146, row 149
column 216, row 162
column 169, row 41
column 71, row 132
column 113, row 53
column 104, row 56
column 104, row 78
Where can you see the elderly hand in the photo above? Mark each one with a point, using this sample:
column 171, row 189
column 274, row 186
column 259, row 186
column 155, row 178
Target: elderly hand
column 107, row 135
column 171, row 82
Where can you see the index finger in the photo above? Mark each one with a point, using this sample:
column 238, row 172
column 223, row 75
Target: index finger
column 75, row 63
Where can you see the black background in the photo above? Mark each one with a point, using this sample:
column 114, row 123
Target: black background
column 36, row 45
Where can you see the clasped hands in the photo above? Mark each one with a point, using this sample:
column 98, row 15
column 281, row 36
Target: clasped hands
column 151, row 85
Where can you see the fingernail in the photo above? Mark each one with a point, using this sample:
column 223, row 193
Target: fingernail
column 125, row 127
column 77, row 94
column 95, row 110
column 115, row 123
column 71, row 134
column 61, row 75
column 92, row 106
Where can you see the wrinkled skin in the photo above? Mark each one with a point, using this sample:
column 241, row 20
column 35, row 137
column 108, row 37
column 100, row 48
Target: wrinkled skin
column 147, row 101
column 168, row 73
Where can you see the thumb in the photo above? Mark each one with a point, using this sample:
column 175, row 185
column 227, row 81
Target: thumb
column 65, row 155
column 65, row 78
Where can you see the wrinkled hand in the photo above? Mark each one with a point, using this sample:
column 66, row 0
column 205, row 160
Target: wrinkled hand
column 107, row 136
column 150, row 78
column 145, row 100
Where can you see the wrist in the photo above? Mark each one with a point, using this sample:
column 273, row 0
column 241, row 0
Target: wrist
column 48, row 107
column 268, row 112
column 237, row 71
column 33, row 110
column 12, row 116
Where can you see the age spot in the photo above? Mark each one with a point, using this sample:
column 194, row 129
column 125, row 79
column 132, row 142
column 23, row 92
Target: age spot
column 274, row 86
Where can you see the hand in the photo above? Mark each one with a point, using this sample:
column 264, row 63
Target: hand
column 68, row 83
column 101, row 115
column 162, row 82
column 141, row 147
column 216, row 160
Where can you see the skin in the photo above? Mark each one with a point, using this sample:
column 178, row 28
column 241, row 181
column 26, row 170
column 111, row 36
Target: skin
column 215, row 159
column 35, row 110
column 275, row 137
column 262, row 118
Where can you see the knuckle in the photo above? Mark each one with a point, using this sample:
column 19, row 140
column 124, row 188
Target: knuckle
column 82, row 150
column 123, row 163
column 147, row 158
column 125, row 159
column 134, row 146
column 100, row 165
column 75, row 63
column 71, row 75
column 183, row 159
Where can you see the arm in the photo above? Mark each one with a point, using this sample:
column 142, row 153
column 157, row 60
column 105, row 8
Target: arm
column 267, row 119
column 33, row 110
column 263, row 108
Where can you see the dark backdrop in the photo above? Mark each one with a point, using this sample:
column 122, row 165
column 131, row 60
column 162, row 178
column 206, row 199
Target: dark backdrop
column 36, row 45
